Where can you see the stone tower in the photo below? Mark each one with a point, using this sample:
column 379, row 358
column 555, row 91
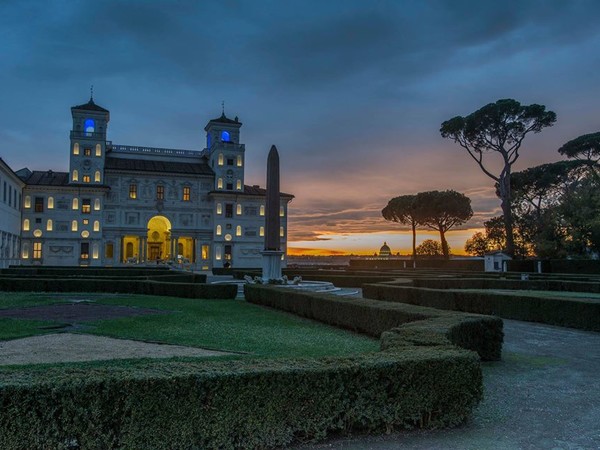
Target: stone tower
column 225, row 153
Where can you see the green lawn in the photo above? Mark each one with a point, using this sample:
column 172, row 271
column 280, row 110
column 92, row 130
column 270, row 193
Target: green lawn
column 230, row 325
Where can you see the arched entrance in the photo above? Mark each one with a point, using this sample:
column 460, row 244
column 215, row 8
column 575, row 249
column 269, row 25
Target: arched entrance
column 159, row 238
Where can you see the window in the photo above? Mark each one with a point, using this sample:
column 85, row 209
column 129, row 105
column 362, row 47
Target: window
column 262, row 210
column 49, row 225
column 9, row 195
column 238, row 209
column 220, row 159
column 230, row 161
column 238, row 230
column 97, row 176
column 160, row 192
column 219, row 230
column 220, row 183
column 75, row 176
column 27, row 203
column 88, row 126
column 218, row 252
column 229, row 186
column 75, row 203
column 85, row 250
column 238, row 185
column 86, row 206
column 39, row 205
column 261, row 232
column 98, row 150
column 219, row 208
column 129, row 250
column 74, row 225
column 281, row 232
column 26, row 225
column 228, row 252
column 85, row 221
column 96, row 225
column 205, row 252
column 228, row 209
column 50, row 202
column 208, row 140
column 87, row 178
column 87, row 152
column 133, row 191
column 37, row 250
column 5, row 192
column 239, row 160
column 76, row 148
column 25, row 252
column 96, row 204
column 186, row 193
column 95, row 251
column 109, row 250
column 225, row 136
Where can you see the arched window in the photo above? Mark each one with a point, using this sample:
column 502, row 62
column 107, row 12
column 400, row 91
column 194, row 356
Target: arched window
column 25, row 250
column 238, row 209
column 238, row 185
column 76, row 148
column 219, row 230
column 27, row 203
column 97, row 204
column 262, row 210
column 75, row 203
column 26, row 225
column 217, row 252
column 219, row 208
column 208, row 140
column 89, row 126
column 239, row 160
column 96, row 225
column 75, row 175
column 50, row 202
column 281, row 211
column 225, row 136
column 281, row 232
column 97, row 176
column 49, row 225
column 238, row 230
column 95, row 251
column 261, row 231
column 220, row 159
column 98, row 150
column 74, row 225
column 220, row 183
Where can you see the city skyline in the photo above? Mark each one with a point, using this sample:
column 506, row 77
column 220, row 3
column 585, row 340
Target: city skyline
column 353, row 95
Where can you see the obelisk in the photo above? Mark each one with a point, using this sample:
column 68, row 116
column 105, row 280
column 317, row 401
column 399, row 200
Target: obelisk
column 271, row 269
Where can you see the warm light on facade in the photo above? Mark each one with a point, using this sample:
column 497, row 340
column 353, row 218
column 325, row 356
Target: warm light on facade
column 26, row 225
column 50, row 202
column 27, row 202
column 75, row 203
column 238, row 209
column 262, row 210
column 98, row 150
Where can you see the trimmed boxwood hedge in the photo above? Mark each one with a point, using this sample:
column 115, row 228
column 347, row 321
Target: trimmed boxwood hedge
column 235, row 404
column 514, row 284
column 482, row 334
column 147, row 287
column 89, row 271
column 575, row 313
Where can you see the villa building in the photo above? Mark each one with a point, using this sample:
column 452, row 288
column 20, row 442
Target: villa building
column 11, row 187
column 122, row 204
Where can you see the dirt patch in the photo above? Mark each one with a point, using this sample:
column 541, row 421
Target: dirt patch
column 77, row 312
column 69, row 347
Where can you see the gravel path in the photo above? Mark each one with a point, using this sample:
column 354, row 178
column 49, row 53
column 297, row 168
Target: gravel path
column 69, row 347
column 544, row 394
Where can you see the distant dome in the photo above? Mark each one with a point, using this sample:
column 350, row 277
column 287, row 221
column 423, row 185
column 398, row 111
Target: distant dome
column 385, row 250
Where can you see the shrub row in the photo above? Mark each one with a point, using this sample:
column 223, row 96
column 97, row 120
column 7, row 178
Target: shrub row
column 374, row 317
column 576, row 313
column 452, row 264
column 89, row 271
column 236, row 404
column 490, row 283
column 170, row 277
column 187, row 290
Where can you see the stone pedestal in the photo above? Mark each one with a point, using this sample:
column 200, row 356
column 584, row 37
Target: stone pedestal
column 271, row 265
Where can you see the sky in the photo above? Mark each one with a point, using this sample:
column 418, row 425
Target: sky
column 352, row 92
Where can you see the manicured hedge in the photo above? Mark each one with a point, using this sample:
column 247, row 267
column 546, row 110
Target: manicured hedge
column 576, row 313
column 515, row 284
column 187, row 290
column 89, row 271
column 452, row 264
column 169, row 277
column 236, row 404
column 482, row 334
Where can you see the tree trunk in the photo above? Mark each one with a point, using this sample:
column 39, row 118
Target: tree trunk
column 504, row 188
column 445, row 249
column 414, row 241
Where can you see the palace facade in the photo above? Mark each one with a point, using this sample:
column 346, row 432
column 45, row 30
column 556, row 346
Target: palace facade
column 121, row 204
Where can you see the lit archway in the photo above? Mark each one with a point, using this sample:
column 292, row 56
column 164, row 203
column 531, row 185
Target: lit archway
column 159, row 239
